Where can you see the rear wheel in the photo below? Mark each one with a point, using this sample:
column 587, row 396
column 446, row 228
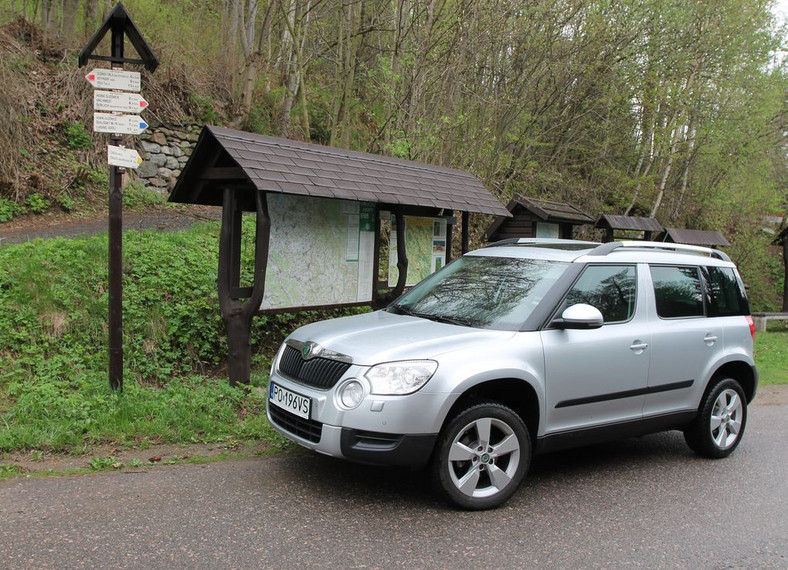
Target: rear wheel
column 722, row 417
column 482, row 456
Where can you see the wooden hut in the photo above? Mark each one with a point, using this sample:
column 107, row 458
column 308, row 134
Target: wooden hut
column 628, row 227
column 537, row 218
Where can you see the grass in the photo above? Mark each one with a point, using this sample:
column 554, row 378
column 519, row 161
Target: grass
column 54, row 393
column 771, row 354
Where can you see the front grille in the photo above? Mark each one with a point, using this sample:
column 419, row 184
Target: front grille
column 309, row 430
column 318, row 372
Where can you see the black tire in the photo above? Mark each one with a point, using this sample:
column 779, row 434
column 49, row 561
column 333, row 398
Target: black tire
column 719, row 425
column 482, row 455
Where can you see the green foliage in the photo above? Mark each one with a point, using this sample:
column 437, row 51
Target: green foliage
column 77, row 135
column 54, row 390
column 66, row 203
column 99, row 177
column 136, row 195
column 204, row 109
column 771, row 355
column 37, row 204
column 9, row 209
column 105, row 463
column 9, row 469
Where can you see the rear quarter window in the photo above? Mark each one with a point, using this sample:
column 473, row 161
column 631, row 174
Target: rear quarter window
column 725, row 294
column 677, row 291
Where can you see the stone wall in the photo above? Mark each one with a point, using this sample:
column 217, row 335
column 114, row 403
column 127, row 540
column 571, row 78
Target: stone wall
column 164, row 150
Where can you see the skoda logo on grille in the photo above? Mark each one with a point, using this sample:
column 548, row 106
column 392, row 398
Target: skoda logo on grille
column 311, row 350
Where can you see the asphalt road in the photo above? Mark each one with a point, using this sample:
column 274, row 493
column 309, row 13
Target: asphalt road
column 640, row 503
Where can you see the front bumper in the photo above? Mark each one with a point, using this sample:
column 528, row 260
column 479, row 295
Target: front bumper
column 383, row 430
column 375, row 448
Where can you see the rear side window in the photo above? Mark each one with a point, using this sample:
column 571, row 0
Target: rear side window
column 725, row 294
column 677, row 291
column 609, row 288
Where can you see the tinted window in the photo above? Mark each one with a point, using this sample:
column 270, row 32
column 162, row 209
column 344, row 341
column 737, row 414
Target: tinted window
column 488, row 292
column 725, row 294
column 609, row 288
column 677, row 291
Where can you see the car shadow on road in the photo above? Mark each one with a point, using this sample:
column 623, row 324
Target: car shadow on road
column 327, row 477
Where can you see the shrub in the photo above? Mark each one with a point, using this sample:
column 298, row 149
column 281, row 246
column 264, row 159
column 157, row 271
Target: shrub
column 77, row 135
column 9, row 209
column 37, row 203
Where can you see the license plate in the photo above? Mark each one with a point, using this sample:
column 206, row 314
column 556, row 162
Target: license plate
column 290, row 401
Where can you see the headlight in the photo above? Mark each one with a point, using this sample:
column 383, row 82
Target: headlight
column 399, row 378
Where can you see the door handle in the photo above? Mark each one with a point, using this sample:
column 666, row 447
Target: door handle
column 638, row 346
column 710, row 339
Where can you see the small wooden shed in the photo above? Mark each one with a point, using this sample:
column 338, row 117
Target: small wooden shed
column 629, row 227
column 707, row 238
column 537, row 218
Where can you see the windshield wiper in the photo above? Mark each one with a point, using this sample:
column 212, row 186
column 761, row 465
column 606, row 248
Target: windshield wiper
column 437, row 318
column 408, row 311
column 451, row 320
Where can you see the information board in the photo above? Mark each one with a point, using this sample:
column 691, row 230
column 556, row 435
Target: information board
column 425, row 244
column 321, row 252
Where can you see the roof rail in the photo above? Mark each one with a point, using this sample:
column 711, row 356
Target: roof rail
column 606, row 248
column 536, row 242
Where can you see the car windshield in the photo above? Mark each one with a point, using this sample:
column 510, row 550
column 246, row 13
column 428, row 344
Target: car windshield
column 481, row 291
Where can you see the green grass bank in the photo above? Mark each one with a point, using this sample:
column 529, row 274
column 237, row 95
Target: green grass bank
column 54, row 392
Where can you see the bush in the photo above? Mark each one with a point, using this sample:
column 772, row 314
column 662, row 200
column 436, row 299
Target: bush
column 9, row 209
column 136, row 195
column 37, row 204
column 77, row 135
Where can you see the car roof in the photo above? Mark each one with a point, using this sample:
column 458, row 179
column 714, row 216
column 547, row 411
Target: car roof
column 611, row 252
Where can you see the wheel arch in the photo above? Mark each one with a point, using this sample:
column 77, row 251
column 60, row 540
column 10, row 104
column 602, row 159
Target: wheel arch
column 742, row 372
column 516, row 394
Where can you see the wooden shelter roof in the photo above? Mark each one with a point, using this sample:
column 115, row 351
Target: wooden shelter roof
column 711, row 238
column 610, row 221
column 246, row 161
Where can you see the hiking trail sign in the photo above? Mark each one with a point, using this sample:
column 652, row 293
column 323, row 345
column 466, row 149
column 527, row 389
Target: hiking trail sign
column 120, row 26
column 118, row 102
column 115, row 79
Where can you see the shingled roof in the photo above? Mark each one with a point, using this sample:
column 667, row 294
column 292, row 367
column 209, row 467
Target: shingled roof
column 246, row 161
column 629, row 223
column 710, row 238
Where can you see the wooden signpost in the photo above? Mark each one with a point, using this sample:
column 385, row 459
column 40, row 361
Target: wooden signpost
column 120, row 25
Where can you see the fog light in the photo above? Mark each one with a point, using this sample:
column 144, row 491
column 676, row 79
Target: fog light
column 351, row 394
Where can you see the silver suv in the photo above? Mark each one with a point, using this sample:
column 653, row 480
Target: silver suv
column 523, row 347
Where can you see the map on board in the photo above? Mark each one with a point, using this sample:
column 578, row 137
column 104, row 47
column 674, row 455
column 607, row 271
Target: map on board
column 425, row 244
column 321, row 252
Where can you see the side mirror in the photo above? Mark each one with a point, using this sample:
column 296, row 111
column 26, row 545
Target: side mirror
column 581, row 317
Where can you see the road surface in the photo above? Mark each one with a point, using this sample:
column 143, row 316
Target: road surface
column 645, row 503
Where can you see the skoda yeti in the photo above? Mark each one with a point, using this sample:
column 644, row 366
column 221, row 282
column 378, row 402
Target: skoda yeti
column 523, row 347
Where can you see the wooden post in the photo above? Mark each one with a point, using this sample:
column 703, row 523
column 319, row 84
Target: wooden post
column 237, row 316
column 116, row 243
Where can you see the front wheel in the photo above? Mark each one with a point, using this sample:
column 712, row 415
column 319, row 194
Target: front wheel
column 482, row 456
column 721, row 420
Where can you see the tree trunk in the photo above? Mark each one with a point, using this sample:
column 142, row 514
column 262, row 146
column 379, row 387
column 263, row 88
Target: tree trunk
column 70, row 8
column 252, row 70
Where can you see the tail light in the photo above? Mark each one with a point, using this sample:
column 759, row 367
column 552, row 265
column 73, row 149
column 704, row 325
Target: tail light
column 751, row 322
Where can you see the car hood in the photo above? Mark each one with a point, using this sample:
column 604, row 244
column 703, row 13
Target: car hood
column 380, row 336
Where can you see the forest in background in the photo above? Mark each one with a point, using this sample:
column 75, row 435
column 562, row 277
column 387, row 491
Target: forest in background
column 668, row 108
